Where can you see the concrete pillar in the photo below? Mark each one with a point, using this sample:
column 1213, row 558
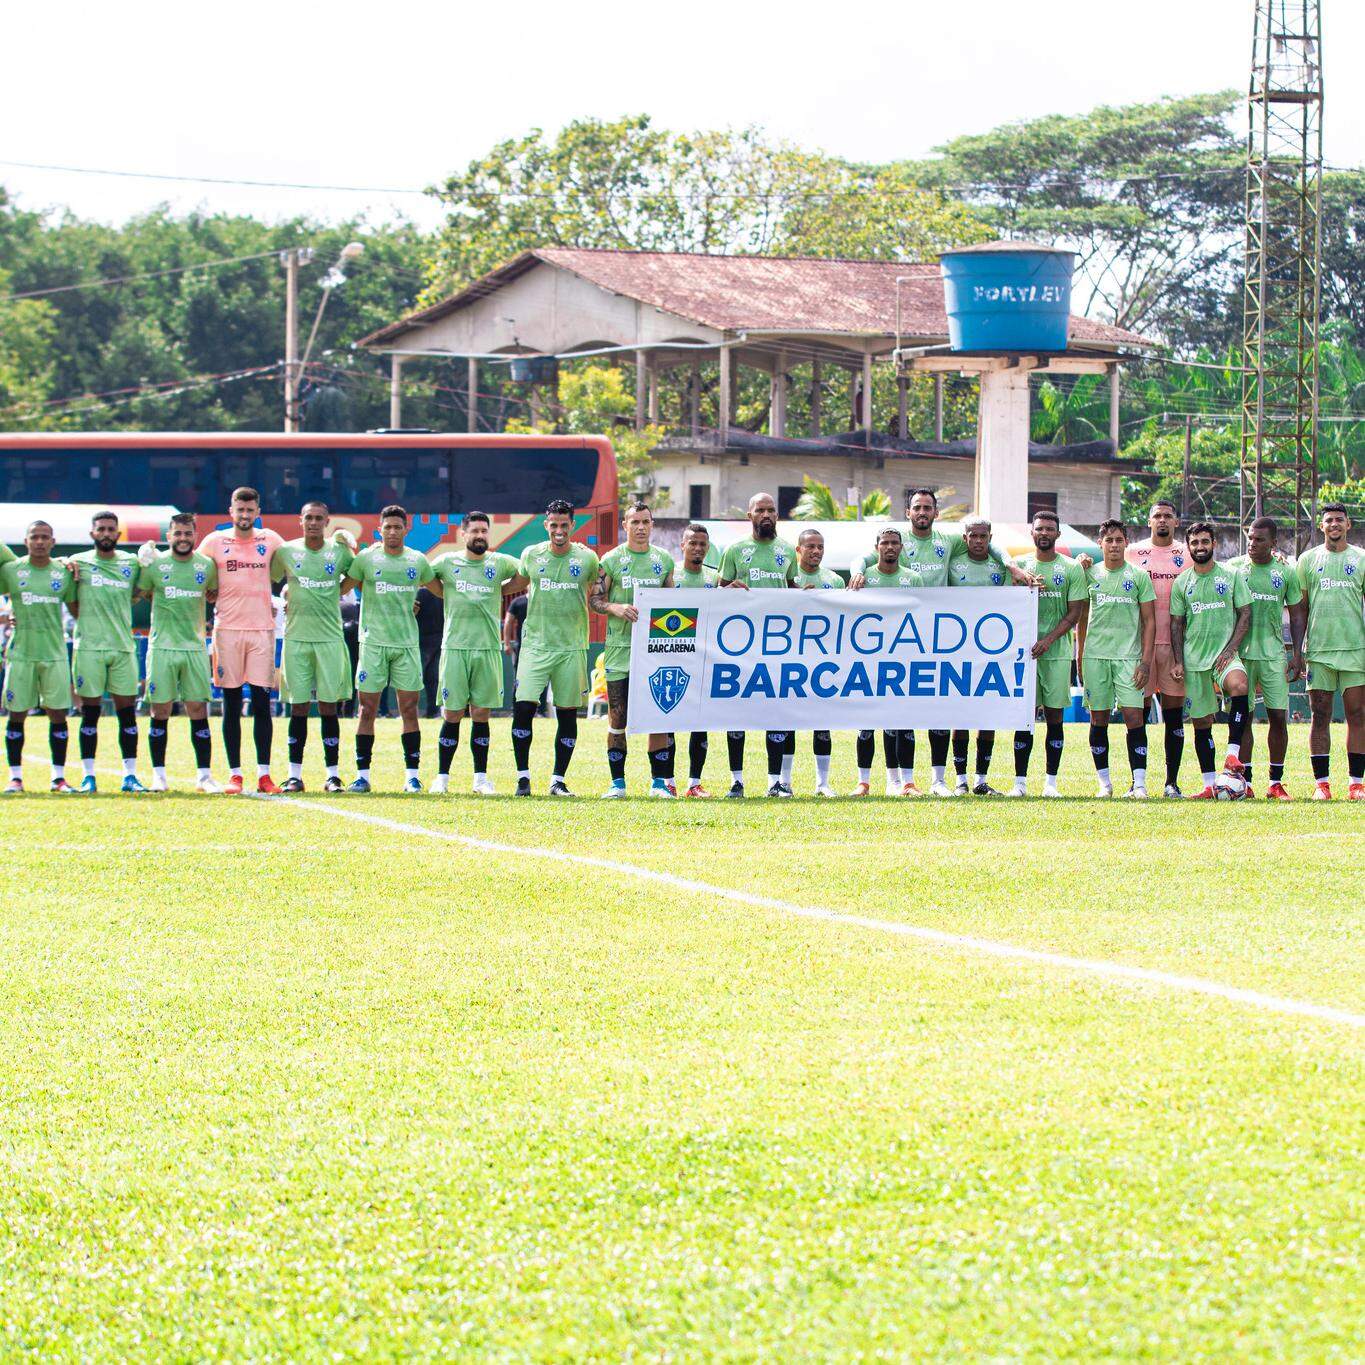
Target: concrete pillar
column 472, row 401
column 641, row 388
column 938, row 407
column 652, row 388
column 777, row 411
column 1002, row 445
column 694, row 397
column 1114, row 406
column 867, row 394
column 395, row 390
column 902, row 396
column 815, row 397
column 723, row 398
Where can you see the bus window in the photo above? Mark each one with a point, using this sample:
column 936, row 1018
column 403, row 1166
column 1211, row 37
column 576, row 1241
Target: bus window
column 287, row 479
column 502, row 480
column 187, row 479
column 26, row 476
column 418, row 479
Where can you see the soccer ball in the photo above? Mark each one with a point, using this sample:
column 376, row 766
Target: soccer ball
column 1229, row 787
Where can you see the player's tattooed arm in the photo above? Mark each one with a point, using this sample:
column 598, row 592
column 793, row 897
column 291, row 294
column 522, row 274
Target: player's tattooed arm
column 597, row 598
column 1177, row 646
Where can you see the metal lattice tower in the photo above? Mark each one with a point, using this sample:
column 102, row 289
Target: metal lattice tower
column 1283, row 258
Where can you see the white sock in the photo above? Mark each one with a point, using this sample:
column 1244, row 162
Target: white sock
column 1021, row 784
column 234, row 772
column 160, row 772
column 694, row 780
column 1103, row 775
column 296, row 770
column 59, row 772
column 130, row 767
column 774, row 777
column 787, row 761
column 1209, row 778
column 17, row 774
column 1140, row 778
column 262, row 770
column 524, row 772
column 737, row 776
column 1050, row 783
column 88, row 766
column 334, row 770
column 865, row 776
column 410, row 773
column 939, row 770
column 205, row 773
column 363, row 772
column 822, row 769
column 980, row 777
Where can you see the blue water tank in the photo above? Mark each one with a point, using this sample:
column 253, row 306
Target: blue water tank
column 1008, row 296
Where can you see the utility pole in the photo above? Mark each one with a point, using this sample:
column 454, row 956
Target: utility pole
column 291, row 260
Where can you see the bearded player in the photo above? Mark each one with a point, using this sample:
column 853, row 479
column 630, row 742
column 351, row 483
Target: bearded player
column 810, row 574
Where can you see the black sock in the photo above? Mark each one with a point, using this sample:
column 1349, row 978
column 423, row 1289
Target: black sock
column 961, row 743
column 775, row 741
column 1023, row 751
column 1277, row 772
column 331, row 740
column 262, row 724
column 412, row 750
column 1204, row 750
column 1355, row 765
column 14, row 742
column 1322, row 766
column 447, row 742
column 566, row 736
column 90, row 728
column 734, row 747
column 1056, row 738
column 670, row 759
column 1237, row 720
column 696, row 754
column 156, row 741
column 658, row 763
column 1173, row 717
column 232, row 726
column 938, row 748
column 616, row 757
column 202, row 741
column 985, row 749
column 478, row 744
column 127, row 732
column 891, row 750
column 821, row 743
column 1137, row 748
column 1099, row 746
column 57, row 734
column 866, row 748
column 523, row 713
column 364, row 751
column 298, row 738
column 907, row 745
column 1246, row 773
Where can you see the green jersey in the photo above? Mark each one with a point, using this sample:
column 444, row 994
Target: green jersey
column 7, row 556
column 36, row 596
column 705, row 577
column 1063, row 584
column 388, row 594
column 1273, row 587
column 1335, row 584
column 557, row 596
column 104, row 593
column 312, row 604
column 178, row 588
column 929, row 556
column 821, row 578
column 472, row 592
column 966, row 572
column 1208, row 603
column 759, row 563
column 1114, row 631
column 627, row 570
column 902, row 576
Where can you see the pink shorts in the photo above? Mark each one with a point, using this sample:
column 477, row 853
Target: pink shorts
column 1161, row 680
column 242, row 657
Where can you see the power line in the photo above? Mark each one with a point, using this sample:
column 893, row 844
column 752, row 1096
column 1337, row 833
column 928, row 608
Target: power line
column 130, row 279
column 112, row 398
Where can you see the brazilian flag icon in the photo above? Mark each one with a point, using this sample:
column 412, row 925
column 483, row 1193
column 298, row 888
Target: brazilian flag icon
column 673, row 623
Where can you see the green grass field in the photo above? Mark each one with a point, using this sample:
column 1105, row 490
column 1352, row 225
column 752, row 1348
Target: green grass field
column 278, row 1083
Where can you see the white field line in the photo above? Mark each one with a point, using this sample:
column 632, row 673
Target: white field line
column 1009, row 952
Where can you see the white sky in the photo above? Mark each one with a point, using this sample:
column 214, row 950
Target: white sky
column 364, row 94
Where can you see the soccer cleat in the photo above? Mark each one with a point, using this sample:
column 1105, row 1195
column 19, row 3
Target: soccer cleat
column 780, row 789
column 1051, row 792
column 1322, row 792
column 132, row 786
column 960, row 787
column 662, row 788
column 333, row 784
column 1017, row 792
column 483, row 786
column 16, row 786
column 60, row 784
column 1276, row 792
column 440, row 784
column 523, row 787
column 266, row 786
column 786, row 790
column 1172, row 792
column 909, row 789
column 412, row 785
column 558, row 787
column 1135, row 794
column 615, row 792
column 940, row 788
column 697, row 792
column 361, row 785
column 893, row 786
column 1248, row 794
column 87, row 787
column 862, row 789
column 736, row 792
column 234, row 785
column 1356, row 791
column 984, row 788
column 1208, row 794
column 208, row 786
column 824, row 789
column 1104, row 792
column 293, row 784
column 159, row 783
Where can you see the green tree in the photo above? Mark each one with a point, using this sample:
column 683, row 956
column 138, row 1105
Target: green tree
column 27, row 330
column 818, row 503
column 1215, row 463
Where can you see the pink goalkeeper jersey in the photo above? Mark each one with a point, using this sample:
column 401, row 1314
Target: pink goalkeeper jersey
column 243, row 578
column 1165, row 564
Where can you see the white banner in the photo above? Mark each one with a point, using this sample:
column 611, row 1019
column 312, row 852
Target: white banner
column 883, row 658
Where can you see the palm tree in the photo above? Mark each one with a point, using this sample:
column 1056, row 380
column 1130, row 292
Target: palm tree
column 818, row 503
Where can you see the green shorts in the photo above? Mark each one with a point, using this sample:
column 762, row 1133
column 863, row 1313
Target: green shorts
column 1200, row 697
column 1109, row 683
column 396, row 666
column 566, row 672
column 321, row 666
column 177, row 675
column 46, row 683
column 1331, row 678
column 616, row 661
column 1269, row 675
column 97, row 671
column 471, row 677
column 1054, row 683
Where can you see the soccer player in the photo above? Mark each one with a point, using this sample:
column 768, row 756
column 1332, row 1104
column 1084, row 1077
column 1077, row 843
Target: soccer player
column 898, row 746
column 1061, row 601
column 1117, row 639
column 693, row 572
column 759, row 560
column 560, row 574
column 473, row 581
column 1210, row 615
column 105, row 658
column 180, row 582
column 35, row 662
column 810, row 574
column 244, row 632
column 978, row 568
column 315, row 658
column 389, row 576
column 636, row 564
column 1274, row 588
column 1332, row 575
